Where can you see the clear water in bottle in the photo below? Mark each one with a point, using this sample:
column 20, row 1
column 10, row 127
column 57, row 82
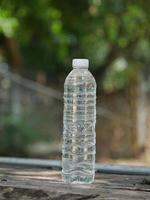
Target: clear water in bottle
column 78, row 151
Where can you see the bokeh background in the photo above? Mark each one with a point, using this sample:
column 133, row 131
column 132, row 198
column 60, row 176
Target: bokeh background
column 39, row 39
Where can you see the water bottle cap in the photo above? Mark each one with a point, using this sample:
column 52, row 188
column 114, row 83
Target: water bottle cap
column 80, row 63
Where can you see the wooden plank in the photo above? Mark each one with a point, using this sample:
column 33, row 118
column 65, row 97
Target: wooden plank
column 28, row 183
column 56, row 164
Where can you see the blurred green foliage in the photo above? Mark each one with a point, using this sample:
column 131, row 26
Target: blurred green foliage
column 19, row 132
column 51, row 32
column 113, row 34
column 16, row 135
column 117, row 74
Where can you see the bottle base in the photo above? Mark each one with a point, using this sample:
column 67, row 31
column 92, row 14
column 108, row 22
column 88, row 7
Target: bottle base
column 78, row 179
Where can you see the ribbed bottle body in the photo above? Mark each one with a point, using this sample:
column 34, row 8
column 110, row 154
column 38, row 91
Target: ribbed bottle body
column 78, row 151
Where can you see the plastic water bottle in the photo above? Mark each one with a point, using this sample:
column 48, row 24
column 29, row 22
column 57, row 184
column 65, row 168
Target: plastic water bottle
column 78, row 151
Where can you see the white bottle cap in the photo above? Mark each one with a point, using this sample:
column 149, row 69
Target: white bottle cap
column 80, row 63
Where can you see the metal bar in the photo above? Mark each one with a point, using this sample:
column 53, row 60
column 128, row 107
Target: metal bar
column 103, row 168
column 31, row 162
column 53, row 93
column 37, row 87
column 122, row 169
column 32, row 85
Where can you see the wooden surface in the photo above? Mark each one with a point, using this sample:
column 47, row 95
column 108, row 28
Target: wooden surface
column 28, row 183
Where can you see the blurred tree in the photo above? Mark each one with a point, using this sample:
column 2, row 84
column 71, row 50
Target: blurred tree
column 44, row 35
column 51, row 32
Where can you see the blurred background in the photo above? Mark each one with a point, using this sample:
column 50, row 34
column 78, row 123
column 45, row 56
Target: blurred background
column 39, row 39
